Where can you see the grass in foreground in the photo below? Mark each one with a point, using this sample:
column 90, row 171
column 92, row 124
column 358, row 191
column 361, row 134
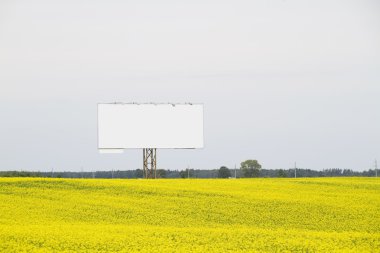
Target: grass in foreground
column 251, row 215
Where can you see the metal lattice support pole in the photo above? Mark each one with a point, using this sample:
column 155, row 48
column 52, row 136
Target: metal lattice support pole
column 150, row 162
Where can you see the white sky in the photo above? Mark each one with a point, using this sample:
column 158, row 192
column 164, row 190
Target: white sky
column 282, row 81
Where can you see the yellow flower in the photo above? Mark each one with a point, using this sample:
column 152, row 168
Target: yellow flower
column 200, row 215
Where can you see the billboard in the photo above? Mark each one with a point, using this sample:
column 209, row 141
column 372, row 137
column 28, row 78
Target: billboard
column 123, row 126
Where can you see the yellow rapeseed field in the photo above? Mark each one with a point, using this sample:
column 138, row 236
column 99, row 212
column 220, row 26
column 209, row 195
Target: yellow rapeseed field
column 190, row 215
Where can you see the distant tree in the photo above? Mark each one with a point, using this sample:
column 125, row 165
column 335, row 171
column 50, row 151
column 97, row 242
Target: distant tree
column 281, row 173
column 186, row 173
column 348, row 172
column 250, row 168
column 182, row 174
column 224, row 172
column 139, row 173
column 161, row 173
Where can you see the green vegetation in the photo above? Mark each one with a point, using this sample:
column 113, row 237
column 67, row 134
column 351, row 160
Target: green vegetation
column 224, row 172
column 250, row 168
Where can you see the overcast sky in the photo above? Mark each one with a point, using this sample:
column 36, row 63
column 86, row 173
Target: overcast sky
column 281, row 80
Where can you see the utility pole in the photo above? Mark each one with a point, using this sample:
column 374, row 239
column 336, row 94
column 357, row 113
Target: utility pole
column 235, row 171
column 188, row 172
column 376, row 167
column 295, row 170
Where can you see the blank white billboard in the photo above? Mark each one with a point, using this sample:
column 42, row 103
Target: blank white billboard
column 122, row 126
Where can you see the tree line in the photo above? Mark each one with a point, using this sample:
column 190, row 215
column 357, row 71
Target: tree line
column 248, row 169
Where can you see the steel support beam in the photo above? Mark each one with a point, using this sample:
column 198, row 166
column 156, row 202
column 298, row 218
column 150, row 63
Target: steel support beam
column 150, row 162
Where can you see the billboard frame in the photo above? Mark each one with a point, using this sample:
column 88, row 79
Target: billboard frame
column 149, row 153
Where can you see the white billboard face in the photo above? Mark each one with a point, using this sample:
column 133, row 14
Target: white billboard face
column 122, row 126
